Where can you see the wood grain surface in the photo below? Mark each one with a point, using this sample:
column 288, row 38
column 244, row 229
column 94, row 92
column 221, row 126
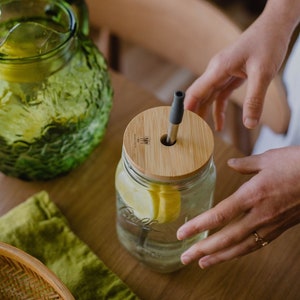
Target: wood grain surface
column 86, row 197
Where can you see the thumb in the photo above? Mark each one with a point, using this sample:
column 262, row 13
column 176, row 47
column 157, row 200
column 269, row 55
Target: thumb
column 246, row 165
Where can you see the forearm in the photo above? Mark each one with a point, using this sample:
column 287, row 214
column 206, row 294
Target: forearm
column 282, row 14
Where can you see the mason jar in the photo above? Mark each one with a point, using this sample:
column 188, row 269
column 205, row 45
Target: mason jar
column 159, row 187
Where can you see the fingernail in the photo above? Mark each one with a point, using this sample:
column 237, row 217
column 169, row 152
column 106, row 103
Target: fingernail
column 231, row 162
column 203, row 263
column 185, row 259
column 180, row 234
column 250, row 123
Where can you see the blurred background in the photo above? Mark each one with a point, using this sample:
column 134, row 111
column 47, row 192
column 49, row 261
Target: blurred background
column 162, row 78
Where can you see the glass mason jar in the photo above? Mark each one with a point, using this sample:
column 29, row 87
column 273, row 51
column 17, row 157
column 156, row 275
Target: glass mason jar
column 55, row 91
column 160, row 187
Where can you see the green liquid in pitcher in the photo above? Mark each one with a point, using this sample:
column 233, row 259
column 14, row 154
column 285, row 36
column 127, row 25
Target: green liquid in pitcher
column 50, row 125
column 14, row 41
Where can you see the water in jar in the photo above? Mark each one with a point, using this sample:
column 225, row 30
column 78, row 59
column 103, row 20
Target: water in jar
column 150, row 213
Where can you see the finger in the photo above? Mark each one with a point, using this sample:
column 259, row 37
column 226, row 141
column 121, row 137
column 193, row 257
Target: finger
column 208, row 247
column 245, row 247
column 192, row 101
column 223, row 213
column 204, row 87
column 255, row 95
column 217, row 216
column 238, row 238
column 197, row 94
column 246, row 165
column 220, row 103
column 202, row 110
column 251, row 243
column 234, row 240
column 228, row 236
column 219, row 109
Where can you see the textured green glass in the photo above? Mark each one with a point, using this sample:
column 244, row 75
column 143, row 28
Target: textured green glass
column 55, row 99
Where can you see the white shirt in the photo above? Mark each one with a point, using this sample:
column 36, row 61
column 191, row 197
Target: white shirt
column 291, row 77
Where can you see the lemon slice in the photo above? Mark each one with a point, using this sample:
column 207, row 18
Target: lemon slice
column 169, row 204
column 161, row 202
column 144, row 204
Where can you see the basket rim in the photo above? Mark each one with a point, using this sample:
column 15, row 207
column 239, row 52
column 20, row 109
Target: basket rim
column 36, row 266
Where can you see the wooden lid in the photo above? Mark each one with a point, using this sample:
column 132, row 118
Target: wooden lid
column 148, row 155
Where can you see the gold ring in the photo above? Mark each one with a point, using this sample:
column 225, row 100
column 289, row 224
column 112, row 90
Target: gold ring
column 259, row 240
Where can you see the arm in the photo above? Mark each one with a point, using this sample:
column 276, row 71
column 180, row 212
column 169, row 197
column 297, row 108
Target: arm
column 269, row 203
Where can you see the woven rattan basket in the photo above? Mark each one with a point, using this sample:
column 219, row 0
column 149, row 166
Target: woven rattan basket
column 24, row 277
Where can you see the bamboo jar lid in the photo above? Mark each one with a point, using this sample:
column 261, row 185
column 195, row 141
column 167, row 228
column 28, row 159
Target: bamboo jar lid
column 145, row 151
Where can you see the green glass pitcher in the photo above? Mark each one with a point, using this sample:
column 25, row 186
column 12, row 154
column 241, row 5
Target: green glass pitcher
column 55, row 90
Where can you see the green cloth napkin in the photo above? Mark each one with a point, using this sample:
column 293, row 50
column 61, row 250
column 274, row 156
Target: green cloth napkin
column 39, row 228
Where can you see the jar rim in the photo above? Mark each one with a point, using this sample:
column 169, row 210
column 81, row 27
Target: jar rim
column 181, row 183
column 71, row 30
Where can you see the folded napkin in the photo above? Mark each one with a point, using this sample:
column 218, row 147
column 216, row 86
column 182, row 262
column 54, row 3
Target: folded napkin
column 38, row 227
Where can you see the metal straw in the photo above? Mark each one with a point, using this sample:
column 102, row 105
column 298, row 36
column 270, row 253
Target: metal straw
column 175, row 118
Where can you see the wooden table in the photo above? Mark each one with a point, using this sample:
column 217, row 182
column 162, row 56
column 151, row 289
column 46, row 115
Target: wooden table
column 86, row 196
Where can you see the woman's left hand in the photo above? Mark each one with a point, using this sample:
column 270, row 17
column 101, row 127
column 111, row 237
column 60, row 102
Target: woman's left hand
column 257, row 213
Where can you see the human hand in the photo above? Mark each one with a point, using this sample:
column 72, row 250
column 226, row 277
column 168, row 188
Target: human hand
column 256, row 58
column 269, row 204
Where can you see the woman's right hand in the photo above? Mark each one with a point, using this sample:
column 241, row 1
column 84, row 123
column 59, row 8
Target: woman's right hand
column 256, row 57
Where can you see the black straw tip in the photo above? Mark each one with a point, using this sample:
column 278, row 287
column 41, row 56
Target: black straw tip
column 177, row 108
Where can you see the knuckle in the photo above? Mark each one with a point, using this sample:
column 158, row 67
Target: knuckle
column 227, row 240
column 219, row 60
column 219, row 218
column 265, row 71
column 254, row 103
